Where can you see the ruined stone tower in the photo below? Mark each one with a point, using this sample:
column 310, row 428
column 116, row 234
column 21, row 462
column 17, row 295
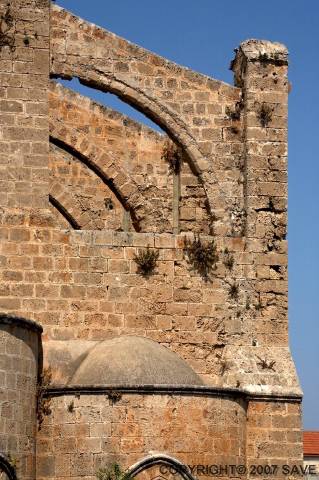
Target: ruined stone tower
column 155, row 264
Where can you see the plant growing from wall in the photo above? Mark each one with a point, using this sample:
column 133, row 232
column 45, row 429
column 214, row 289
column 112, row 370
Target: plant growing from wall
column 6, row 23
column 71, row 407
column 264, row 114
column 234, row 130
column 43, row 402
column 114, row 396
column 234, row 113
column 108, row 203
column 173, row 155
column 146, row 261
column 228, row 259
column 112, row 472
column 13, row 461
column 266, row 365
column 258, row 305
column 233, row 291
column 247, row 305
column 202, row 256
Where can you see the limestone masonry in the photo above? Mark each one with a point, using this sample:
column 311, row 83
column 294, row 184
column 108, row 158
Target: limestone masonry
column 143, row 276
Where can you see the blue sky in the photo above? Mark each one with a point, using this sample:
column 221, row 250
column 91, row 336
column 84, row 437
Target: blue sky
column 202, row 35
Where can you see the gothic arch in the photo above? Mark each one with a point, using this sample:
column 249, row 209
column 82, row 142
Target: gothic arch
column 122, row 185
column 81, row 197
column 160, row 459
column 111, row 64
column 155, row 110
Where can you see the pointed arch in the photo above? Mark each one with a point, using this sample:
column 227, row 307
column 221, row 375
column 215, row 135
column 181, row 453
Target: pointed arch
column 119, row 182
column 104, row 61
column 132, row 148
column 81, row 198
column 160, row 459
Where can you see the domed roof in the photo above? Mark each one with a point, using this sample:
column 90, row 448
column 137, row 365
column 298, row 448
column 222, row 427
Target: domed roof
column 132, row 360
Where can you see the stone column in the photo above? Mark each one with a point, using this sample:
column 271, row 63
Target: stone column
column 274, row 424
column 260, row 69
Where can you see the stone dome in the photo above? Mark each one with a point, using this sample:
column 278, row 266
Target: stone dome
column 133, row 360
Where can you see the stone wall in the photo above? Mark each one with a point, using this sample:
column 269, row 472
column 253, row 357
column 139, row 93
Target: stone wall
column 132, row 148
column 189, row 106
column 19, row 360
column 85, row 285
column 68, row 262
column 24, row 145
column 80, row 199
column 274, row 436
column 86, row 433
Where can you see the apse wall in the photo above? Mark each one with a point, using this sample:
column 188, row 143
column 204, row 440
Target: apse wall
column 21, row 355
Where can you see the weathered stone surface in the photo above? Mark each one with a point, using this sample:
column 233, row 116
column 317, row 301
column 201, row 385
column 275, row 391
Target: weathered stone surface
column 19, row 364
column 77, row 211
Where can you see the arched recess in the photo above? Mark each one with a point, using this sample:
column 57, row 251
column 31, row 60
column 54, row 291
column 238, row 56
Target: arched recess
column 156, row 111
column 179, row 198
column 166, row 120
column 7, row 468
column 121, row 184
column 111, row 64
column 160, row 114
column 133, row 148
column 160, row 459
column 81, row 200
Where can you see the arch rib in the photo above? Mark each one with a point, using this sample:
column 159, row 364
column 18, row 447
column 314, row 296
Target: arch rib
column 160, row 459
